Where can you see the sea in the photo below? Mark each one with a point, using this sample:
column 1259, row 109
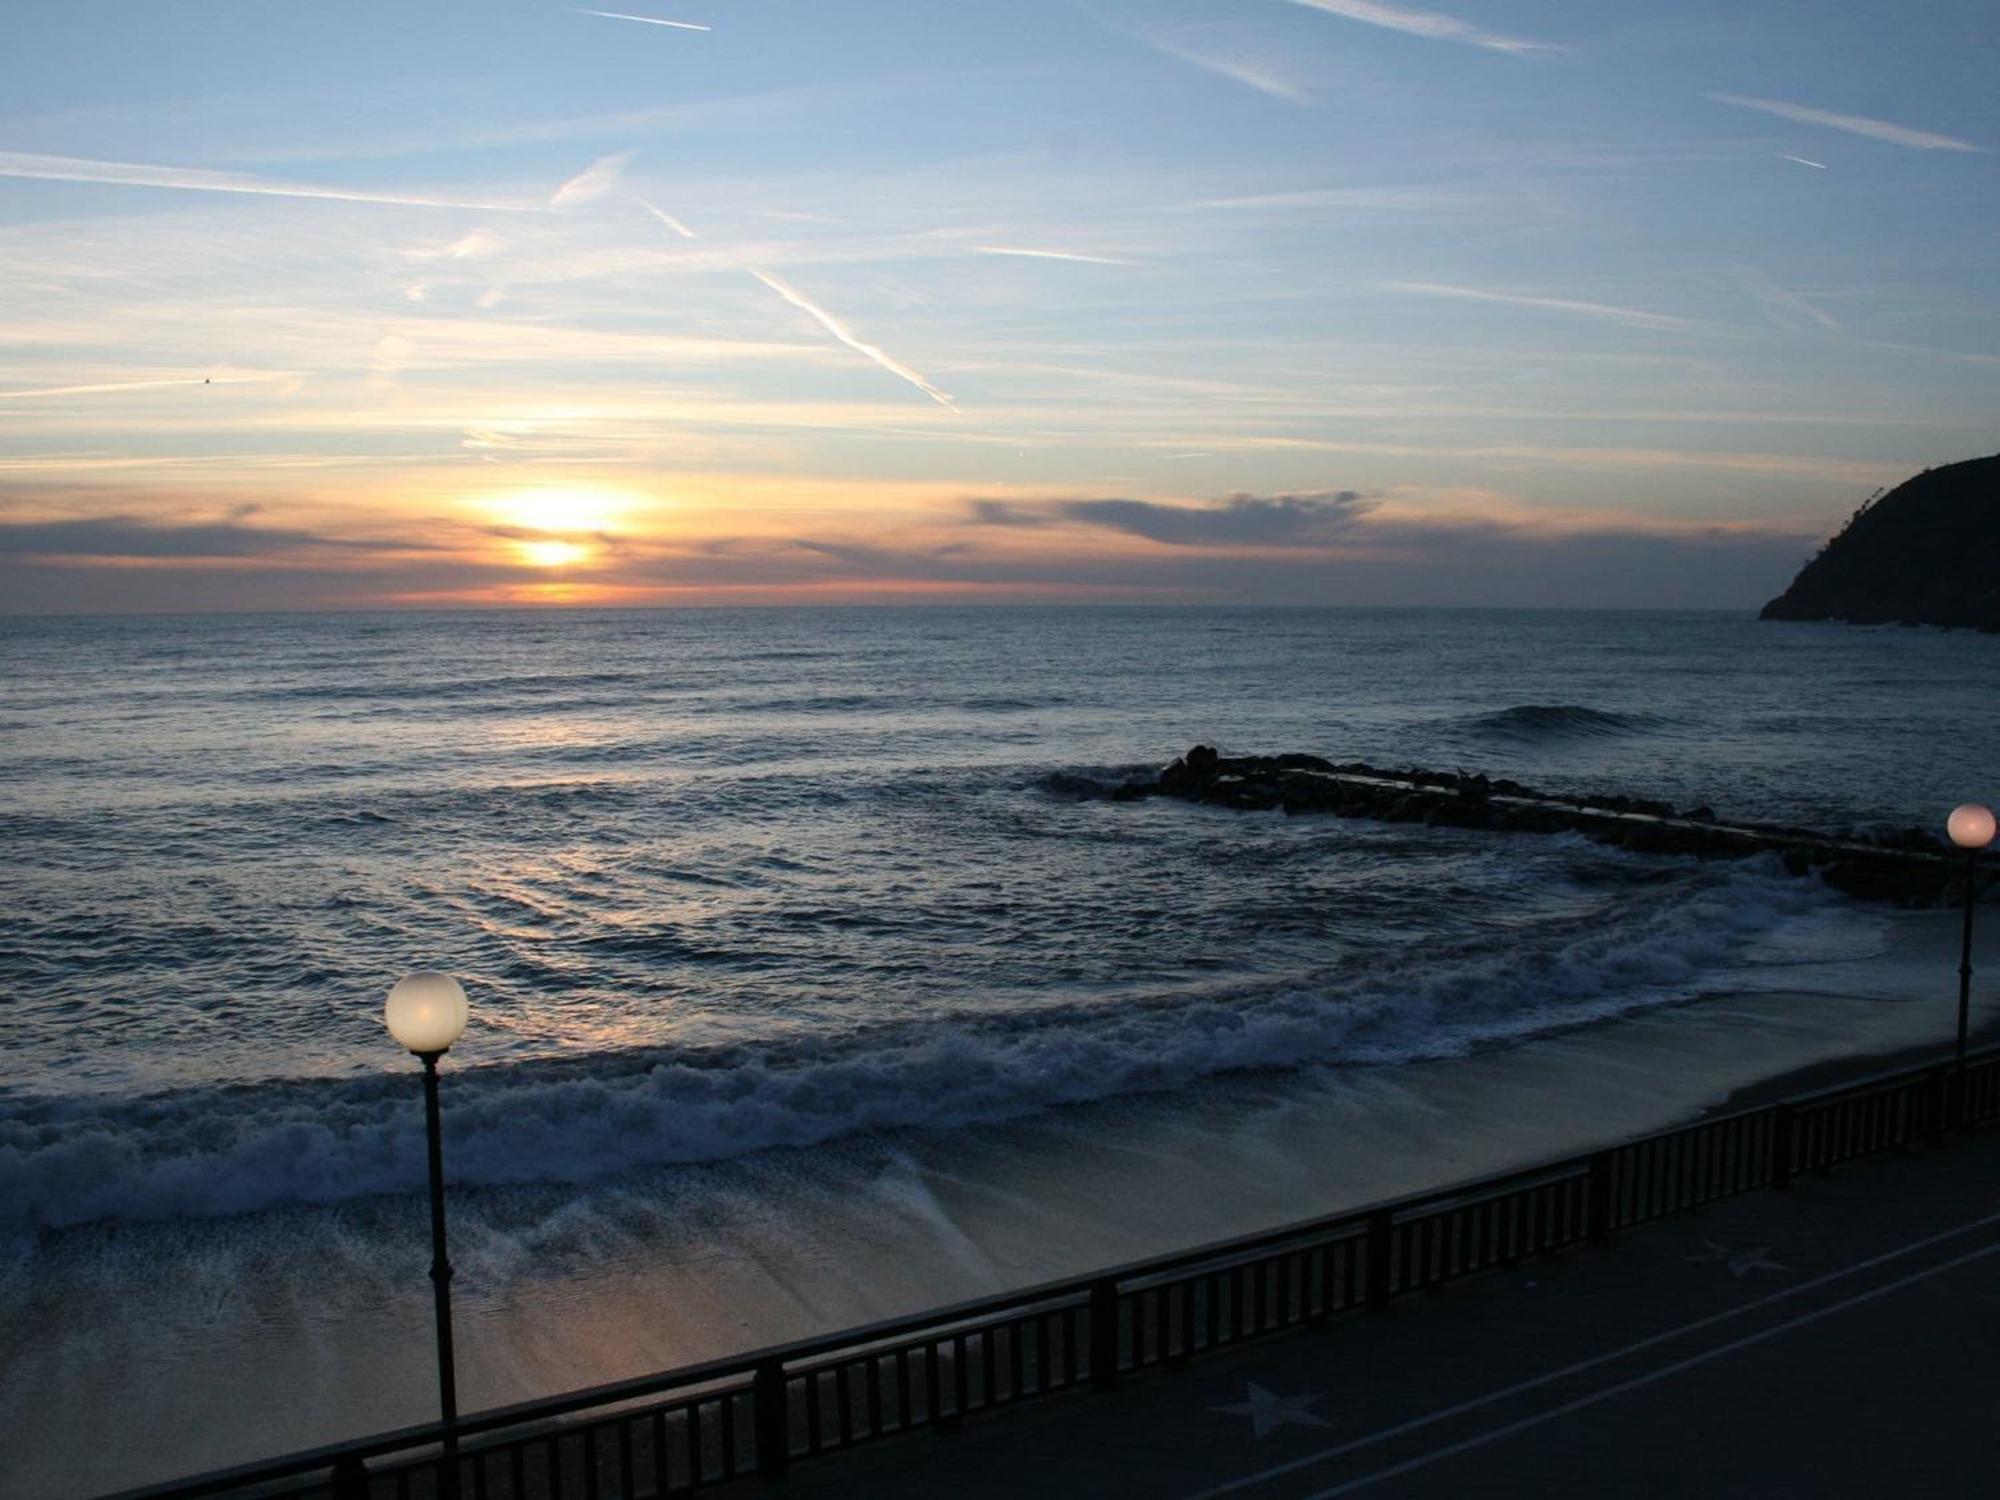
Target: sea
column 813, row 974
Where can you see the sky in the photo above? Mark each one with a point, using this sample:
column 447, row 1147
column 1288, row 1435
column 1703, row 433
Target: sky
column 1514, row 302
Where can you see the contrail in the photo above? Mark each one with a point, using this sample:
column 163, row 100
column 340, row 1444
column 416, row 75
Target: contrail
column 839, row 330
column 201, row 180
column 619, row 15
column 1877, row 130
column 819, row 314
column 666, row 218
column 109, row 387
column 1425, row 23
column 1095, row 260
column 1631, row 316
column 1803, row 161
column 594, row 181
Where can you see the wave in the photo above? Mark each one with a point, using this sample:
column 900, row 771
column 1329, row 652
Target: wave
column 1538, row 722
column 248, row 1148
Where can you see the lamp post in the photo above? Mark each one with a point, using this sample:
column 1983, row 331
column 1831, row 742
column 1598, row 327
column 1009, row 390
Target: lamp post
column 427, row 1013
column 1971, row 828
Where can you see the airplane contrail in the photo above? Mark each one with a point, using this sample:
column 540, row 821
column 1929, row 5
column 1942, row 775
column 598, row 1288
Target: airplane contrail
column 619, row 15
column 593, row 182
column 1095, row 260
column 667, row 219
column 819, row 314
column 840, row 331
column 1425, row 23
column 1803, row 161
column 201, row 180
column 111, row 386
column 1877, row 130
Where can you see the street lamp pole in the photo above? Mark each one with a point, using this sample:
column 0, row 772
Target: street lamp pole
column 1971, row 828
column 440, row 1261
column 427, row 1013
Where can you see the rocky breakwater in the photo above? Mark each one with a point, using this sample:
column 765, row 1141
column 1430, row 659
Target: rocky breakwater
column 1905, row 866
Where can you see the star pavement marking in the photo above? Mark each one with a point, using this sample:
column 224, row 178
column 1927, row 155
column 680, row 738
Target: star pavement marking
column 1740, row 1262
column 1268, row 1412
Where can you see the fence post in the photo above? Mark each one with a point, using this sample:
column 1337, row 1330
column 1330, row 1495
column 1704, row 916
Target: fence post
column 1781, row 1146
column 1600, row 1198
column 1940, row 1103
column 774, row 1420
column 1381, row 1243
column 1104, row 1334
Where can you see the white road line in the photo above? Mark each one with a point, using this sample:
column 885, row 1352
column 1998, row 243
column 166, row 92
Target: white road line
column 1323, row 1455
column 1649, row 1377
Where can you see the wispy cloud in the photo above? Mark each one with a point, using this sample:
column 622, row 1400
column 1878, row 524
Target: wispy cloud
column 138, row 537
column 1236, row 521
column 846, row 336
column 117, row 387
column 667, row 219
column 1786, row 308
column 593, row 182
column 1875, row 130
column 1256, row 73
column 1631, row 317
column 1390, row 198
column 820, row 315
column 201, row 180
column 619, row 15
column 1033, row 254
column 1426, row 23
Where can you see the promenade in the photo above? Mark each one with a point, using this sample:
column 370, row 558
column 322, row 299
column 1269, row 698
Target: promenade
column 1841, row 1338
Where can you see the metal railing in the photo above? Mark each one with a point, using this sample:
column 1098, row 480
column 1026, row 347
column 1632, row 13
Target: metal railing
column 682, row 1430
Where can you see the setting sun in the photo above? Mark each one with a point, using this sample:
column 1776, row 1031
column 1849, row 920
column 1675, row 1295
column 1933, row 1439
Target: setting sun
column 561, row 510
column 553, row 554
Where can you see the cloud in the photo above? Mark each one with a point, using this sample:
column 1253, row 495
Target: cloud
column 1786, row 308
column 1631, row 317
column 619, row 15
column 593, row 182
column 1410, row 199
column 840, row 331
column 1250, row 72
column 119, row 387
column 201, row 180
column 1875, row 130
column 1425, row 23
column 1032, row 254
column 123, row 536
column 667, row 219
column 1235, row 521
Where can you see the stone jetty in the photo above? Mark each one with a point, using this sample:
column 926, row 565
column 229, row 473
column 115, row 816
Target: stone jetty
column 1907, row 867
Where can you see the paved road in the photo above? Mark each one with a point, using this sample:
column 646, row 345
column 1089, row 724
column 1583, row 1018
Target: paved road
column 1842, row 1339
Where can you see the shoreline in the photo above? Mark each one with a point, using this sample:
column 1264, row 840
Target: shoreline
column 1832, row 1073
column 565, row 1288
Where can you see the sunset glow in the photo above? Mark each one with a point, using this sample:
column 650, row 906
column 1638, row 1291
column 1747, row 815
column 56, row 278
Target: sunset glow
column 1578, row 313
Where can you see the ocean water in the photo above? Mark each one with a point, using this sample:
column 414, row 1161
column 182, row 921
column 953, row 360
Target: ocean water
column 745, row 886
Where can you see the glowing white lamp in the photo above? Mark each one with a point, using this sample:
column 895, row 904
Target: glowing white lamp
column 1970, row 826
column 427, row 1012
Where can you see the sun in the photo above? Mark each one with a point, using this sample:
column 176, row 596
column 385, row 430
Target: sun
column 561, row 509
column 553, row 554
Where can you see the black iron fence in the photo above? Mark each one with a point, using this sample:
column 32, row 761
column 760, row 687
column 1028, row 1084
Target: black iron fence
column 681, row 1430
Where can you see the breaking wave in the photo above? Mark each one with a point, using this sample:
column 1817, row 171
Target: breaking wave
column 219, row 1151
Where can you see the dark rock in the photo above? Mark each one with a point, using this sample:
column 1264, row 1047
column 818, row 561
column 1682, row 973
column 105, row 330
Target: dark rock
column 1921, row 554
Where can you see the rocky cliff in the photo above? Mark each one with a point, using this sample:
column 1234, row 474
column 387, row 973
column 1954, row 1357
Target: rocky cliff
column 1926, row 553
